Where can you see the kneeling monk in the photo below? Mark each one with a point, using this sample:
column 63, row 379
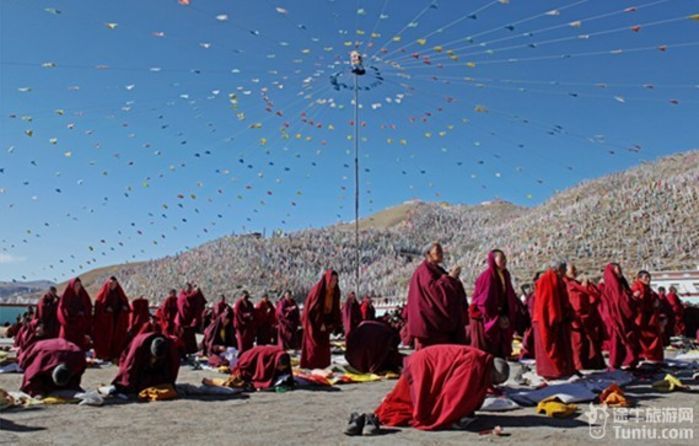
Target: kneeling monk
column 321, row 316
column 51, row 365
column 263, row 367
column 372, row 347
column 152, row 360
column 440, row 385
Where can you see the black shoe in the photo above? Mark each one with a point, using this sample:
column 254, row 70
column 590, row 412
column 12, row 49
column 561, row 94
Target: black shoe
column 371, row 425
column 355, row 425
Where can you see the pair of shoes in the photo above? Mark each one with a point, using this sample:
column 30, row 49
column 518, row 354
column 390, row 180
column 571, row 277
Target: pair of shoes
column 362, row 424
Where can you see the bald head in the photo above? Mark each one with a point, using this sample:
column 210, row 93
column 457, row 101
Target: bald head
column 157, row 347
column 61, row 375
column 501, row 371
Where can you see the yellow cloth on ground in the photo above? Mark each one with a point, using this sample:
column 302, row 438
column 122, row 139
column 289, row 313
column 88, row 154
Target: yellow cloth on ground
column 613, row 396
column 669, row 384
column 232, row 382
column 553, row 407
column 362, row 377
column 162, row 392
column 59, row 400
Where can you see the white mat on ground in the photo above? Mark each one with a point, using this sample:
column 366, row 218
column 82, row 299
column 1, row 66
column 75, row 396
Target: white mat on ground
column 581, row 390
column 498, row 404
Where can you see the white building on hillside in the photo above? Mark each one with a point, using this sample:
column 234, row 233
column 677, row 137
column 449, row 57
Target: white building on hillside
column 686, row 282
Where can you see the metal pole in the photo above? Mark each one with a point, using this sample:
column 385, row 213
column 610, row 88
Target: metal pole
column 356, row 183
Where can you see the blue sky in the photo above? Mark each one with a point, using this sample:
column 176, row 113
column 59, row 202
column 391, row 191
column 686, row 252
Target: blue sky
column 138, row 151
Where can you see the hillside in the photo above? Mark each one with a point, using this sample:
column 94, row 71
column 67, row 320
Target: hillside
column 645, row 217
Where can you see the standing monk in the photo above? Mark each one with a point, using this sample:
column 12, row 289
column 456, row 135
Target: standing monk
column 648, row 318
column 219, row 307
column 75, row 314
column 244, row 318
column 139, row 320
column 167, row 315
column 351, row 313
column 551, row 321
column 288, row 319
column 497, row 303
column 367, row 309
column 321, row 316
column 46, row 313
column 190, row 311
column 111, row 320
column 436, row 302
column 585, row 342
column 265, row 321
column 620, row 314
column 677, row 310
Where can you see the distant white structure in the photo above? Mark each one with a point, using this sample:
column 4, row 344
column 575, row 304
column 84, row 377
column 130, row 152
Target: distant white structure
column 685, row 281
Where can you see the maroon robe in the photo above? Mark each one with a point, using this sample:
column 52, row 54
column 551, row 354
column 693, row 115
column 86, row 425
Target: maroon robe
column 258, row 366
column 167, row 316
column 245, row 330
column 528, row 347
column 367, row 309
column 46, row 314
column 136, row 370
column 318, row 323
column 75, row 315
column 139, row 320
column 288, row 319
column 585, row 343
column 667, row 318
column 190, row 311
column 265, row 323
column 43, row 357
column 436, row 307
column 110, row 322
column 678, row 312
column 372, row 347
column 648, row 322
column 351, row 314
column 219, row 333
column 219, row 307
column 619, row 320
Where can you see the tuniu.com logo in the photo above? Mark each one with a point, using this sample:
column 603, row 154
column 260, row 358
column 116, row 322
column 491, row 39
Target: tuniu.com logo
column 597, row 417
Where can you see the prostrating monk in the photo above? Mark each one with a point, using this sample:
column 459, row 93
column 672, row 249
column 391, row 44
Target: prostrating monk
column 244, row 317
column 440, row 385
column 620, row 319
column 218, row 337
column 263, row 367
column 265, row 321
column 321, row 316
column 111, row 320
column 288, row 320
column 351, row 313
column 152, row 360
column 367, row 309
column 51, row 365
column 372, row 347
column 167, row 314
column 678, row 311
column 497, row 302
column 647, row 318
column 436, row 302
column 551, row 321
column 75, row 314
column 46, row 313
column 190, row 311
column 585, row 343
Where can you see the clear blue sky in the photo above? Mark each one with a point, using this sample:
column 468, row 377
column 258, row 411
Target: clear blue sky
column 151, row 156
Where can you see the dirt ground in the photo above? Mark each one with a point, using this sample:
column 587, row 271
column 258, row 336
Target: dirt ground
column 298, row 417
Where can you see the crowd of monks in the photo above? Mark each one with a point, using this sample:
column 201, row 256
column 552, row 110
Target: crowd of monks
column 565, row 325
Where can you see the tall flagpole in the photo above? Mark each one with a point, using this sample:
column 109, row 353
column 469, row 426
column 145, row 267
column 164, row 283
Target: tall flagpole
column 357, row 70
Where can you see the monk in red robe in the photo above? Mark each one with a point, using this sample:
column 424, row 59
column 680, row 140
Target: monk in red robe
column 497, row 302
column 288, row 320
column 220, row 306
column 528, row 346
column 372, row 347
column 51, row 365
column 351, row 313
column 367, row 309
column 551, row 321
column 111, row 320
column 190, row 312
column 139, row 320
column 151, row 360
column 321, row 316
column 436, row 302
column 167, row 314
column 46, row 313
column 648, row 318
column 585, row 343
column 620, row 319
column 677, row 310
column 265, row 321
column 75, row 314
column 218, row 337
column 667, row 318
column 245, row 330
column 440, row 385
column 263, row 367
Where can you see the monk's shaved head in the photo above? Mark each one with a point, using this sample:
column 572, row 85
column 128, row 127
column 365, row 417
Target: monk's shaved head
column 61, row 375
column 157, row 347
column 501, row 371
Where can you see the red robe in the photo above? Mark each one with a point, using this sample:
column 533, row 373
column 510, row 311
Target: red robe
column 219, row 334
column 318, row 323
column 678, row 312
column 496, row 298
column 368, row 311
column 288, row 319
column 219, row 307
column 244, row 324
column 265, row 323
column 436, row 307
column 40, row 360
column 648, row 322
column 75, row 315
column 190, row 311
column 139, row 320
column 373, row 348
column 585, row 342
column 528, row 345
column 136, row 372
column 258, row 366
column 440, row 385
column 110, row 323
column 46, row 314
column 667, row 318
column 619, row 320
column 167, row 316
column 351, row 314
column 551, row 321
